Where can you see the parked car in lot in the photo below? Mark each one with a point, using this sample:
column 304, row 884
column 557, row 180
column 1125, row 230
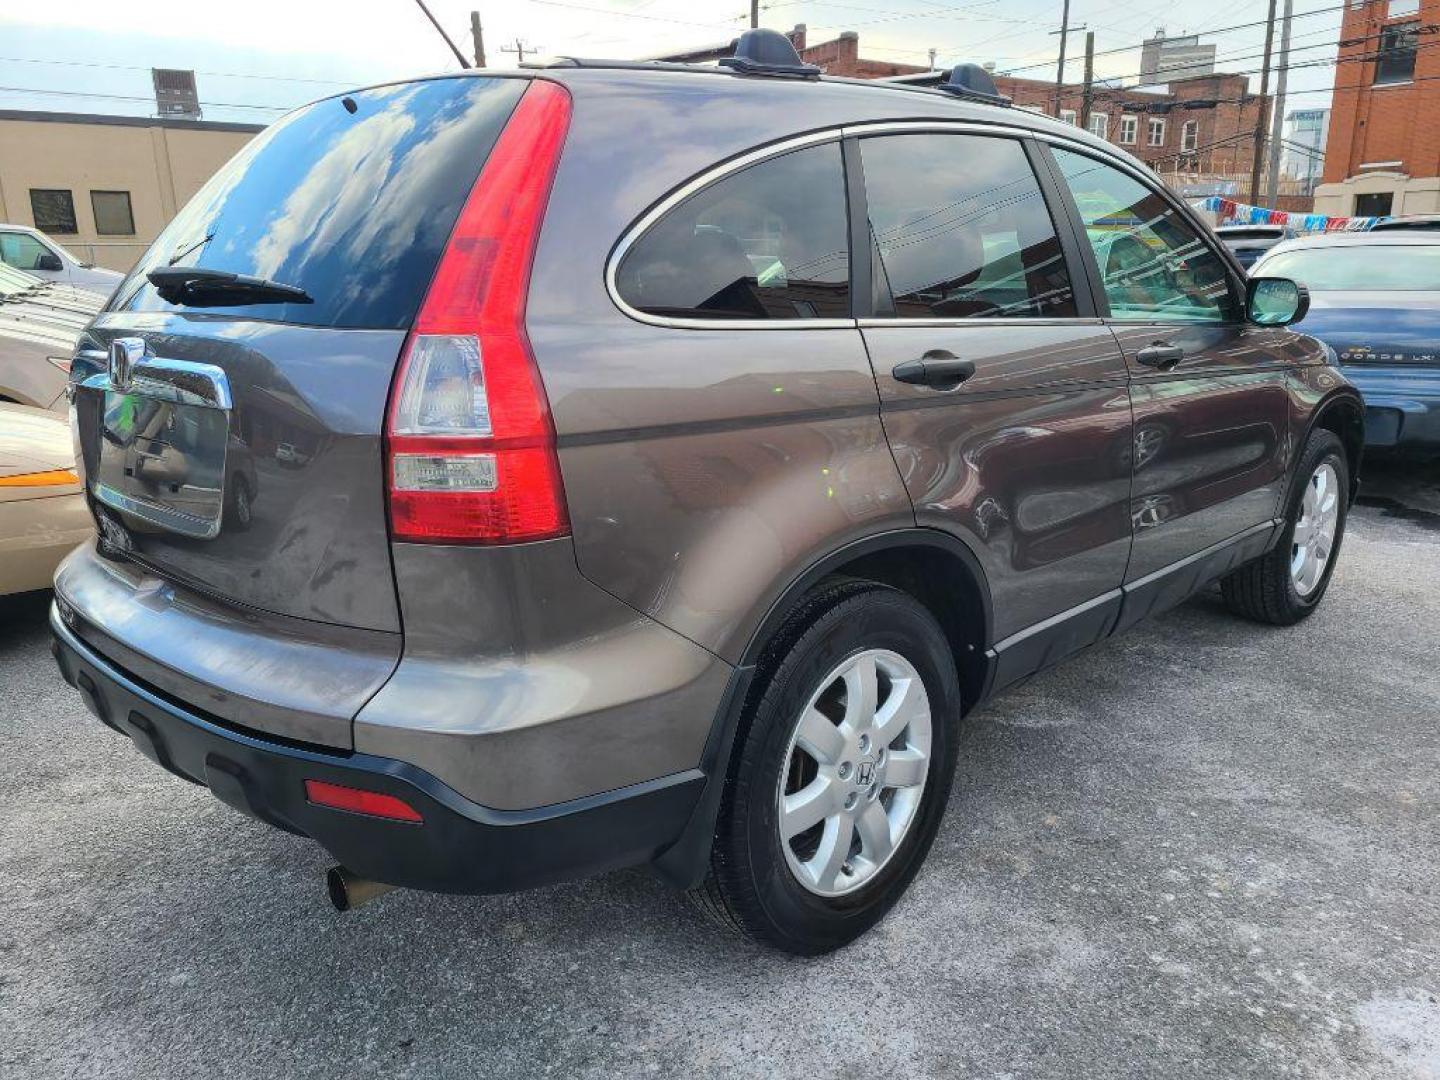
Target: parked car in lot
column 1408, row 223
column 639, row 521
column 1375, row 300
column 29, row 249
column 42, row 503
column 40, row 327
column 1248, row 242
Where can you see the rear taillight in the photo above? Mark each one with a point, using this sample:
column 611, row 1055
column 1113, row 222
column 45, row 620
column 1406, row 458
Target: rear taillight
column 470, row 446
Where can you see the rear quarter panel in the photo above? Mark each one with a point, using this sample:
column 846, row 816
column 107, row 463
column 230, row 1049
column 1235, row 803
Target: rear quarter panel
column 705, row 469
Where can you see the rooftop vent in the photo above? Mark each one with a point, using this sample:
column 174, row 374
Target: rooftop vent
column 768, row 52
column 175, row 93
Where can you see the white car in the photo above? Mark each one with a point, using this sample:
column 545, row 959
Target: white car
column 32, row 251
column 42, row 498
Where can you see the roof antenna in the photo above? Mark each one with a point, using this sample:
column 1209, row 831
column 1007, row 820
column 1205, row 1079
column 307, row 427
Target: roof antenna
column 768, row 52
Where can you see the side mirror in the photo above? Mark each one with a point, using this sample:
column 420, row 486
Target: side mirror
column 49, row 261
column 1275, row 301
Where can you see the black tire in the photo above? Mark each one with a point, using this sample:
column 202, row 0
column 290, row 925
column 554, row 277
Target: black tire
column 1264, row 590
column 750, row 887
column 239, row 508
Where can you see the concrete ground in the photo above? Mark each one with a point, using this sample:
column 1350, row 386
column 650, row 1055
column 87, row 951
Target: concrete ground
column 1205, row 849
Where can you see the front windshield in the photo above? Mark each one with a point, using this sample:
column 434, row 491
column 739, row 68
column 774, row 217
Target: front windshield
column 1381, row 268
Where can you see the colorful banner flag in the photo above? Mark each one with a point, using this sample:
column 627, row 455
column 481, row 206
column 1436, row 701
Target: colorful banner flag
column 1231, row 213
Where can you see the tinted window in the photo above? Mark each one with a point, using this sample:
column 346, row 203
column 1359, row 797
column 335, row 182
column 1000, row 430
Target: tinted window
column 53, row 210
column 112, row 213
column 354, row 208
column 1354, row 269
column 1153, row 263
column 1396, row 60
column 768, row 242
column 962, row 229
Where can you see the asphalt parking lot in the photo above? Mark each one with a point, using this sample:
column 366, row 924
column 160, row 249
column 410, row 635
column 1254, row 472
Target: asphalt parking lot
column 1207, row 848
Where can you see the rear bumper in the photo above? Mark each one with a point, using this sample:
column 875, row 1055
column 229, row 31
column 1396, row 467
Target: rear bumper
column 459, row 847
column 1402, row 406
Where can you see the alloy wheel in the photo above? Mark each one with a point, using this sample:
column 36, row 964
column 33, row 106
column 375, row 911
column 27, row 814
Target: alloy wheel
column 855, row 771
column 1314, row 536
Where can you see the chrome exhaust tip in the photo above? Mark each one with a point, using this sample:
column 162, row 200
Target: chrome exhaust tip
column 348, row 890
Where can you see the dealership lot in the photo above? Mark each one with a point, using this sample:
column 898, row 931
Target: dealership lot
column 1207, row 848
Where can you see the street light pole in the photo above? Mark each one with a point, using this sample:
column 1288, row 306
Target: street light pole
column 1060, row 67
column 479, row 36
column 1258, row 152
column 1277, row 111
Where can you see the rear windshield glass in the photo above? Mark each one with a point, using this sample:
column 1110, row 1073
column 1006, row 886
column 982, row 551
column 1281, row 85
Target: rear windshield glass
column 353, row 208
column 1358, row 269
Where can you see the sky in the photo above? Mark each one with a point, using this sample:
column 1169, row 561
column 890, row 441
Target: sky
column 257, row 59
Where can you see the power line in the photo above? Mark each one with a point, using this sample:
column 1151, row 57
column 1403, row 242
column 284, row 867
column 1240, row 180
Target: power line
column 1221, row 30
column 131, row 97
column 140, row 67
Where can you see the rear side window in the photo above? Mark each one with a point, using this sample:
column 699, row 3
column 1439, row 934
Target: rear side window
column 961, row 228
column 768, row 242
column 352, row 207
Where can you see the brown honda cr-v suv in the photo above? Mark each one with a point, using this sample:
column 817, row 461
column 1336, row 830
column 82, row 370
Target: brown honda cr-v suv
column 503, row 477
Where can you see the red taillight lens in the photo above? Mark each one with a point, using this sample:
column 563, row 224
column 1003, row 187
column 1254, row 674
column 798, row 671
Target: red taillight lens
column 358, row 801
column 470, row 446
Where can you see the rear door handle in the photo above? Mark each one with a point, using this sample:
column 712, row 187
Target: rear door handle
column 938, row 368
column 1160, row 355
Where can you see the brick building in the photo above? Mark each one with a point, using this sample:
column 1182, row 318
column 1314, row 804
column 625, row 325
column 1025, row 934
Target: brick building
column 1383, row 151
column 839, row 56
column 1204, row 124
column 1213, row 136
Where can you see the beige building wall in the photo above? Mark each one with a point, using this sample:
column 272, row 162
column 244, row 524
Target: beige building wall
column 161, row 163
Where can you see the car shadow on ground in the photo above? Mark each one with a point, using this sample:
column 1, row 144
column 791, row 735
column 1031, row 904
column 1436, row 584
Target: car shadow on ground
column 1405, row 488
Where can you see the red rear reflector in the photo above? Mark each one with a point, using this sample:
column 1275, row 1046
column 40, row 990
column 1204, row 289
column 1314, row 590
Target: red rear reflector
column 470, row 445
column 373, row 803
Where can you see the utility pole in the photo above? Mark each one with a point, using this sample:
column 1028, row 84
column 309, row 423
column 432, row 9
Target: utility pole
column 441, row 31
column 1259, row 148
column 520, row 49
column 754, row 14
column 1089, row 79
column 1060, row 67
column 479, row 36
column 1277, row 110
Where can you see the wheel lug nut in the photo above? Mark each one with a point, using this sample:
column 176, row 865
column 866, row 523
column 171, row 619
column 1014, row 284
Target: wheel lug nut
column 844, row 770
column 864, row 743
column 851, row 800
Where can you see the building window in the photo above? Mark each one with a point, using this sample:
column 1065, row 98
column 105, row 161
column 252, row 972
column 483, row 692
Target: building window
column 1156, row 134
column 112, row 213
column 1375, row 204
column 1190, row 137
column 1129, row 130
column 1067, row 116
column 1396, row 63
column 53, row 210
column 1099, row 124
column 1399, row 9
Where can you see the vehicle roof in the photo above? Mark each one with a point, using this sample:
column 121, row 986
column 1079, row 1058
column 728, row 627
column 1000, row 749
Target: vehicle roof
column 1363, row 239
column 1251, row 228
column 829, row 100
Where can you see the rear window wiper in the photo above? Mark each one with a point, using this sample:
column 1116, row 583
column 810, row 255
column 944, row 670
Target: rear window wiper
column 194, row 286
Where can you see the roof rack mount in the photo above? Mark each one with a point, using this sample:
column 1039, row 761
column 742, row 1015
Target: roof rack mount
column 768, row 52
column 973, row 82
